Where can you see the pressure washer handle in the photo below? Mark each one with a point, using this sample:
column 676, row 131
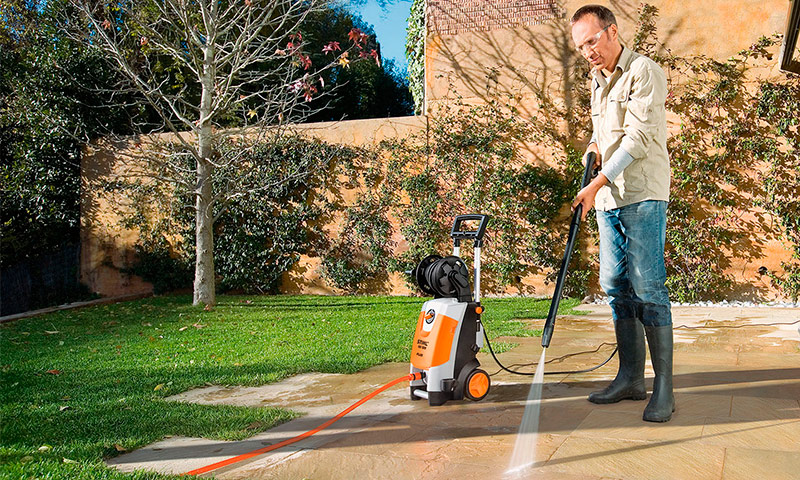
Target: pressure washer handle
column 574, row 228
column 458, row 234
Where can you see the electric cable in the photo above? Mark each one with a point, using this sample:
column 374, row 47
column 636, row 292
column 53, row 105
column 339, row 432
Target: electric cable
column 489, row 344
column 687, row 327
column 586, row 370
column 254, row 453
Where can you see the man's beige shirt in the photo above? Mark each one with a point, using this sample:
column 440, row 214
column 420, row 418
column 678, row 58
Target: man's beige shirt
column 628, row 112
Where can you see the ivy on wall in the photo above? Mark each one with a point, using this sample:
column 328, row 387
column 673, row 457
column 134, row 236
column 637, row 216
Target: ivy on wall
column 735, row 164
column 415, row 53
column 473, row 162
column 292, row 184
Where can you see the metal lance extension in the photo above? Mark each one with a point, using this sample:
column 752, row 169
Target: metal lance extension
column 574, row 227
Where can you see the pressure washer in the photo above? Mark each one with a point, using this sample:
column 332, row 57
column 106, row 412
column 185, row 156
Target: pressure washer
column 449, row 331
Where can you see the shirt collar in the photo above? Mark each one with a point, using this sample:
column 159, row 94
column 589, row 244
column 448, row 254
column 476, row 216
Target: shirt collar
column 623, row 64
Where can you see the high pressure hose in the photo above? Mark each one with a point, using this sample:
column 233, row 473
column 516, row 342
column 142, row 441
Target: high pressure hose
column 488, row 344
column 586, row 370
column 239, row 458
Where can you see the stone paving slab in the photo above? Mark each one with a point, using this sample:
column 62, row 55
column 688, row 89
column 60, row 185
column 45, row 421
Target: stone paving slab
column 737, row 394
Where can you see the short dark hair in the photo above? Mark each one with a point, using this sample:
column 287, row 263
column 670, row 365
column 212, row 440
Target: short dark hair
column 602, row 13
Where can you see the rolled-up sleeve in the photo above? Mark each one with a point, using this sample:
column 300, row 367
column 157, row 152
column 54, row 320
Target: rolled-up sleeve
column 616, row 164
column 645, row 108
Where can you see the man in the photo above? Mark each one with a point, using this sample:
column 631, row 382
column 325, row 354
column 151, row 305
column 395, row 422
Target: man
column 630, row 196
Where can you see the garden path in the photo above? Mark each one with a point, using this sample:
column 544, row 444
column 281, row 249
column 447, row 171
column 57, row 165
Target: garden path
column 737, row 388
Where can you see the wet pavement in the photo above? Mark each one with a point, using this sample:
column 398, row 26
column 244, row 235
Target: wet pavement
column 737, row 390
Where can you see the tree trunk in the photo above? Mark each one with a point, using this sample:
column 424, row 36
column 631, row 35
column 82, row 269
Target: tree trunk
column 204, row 277
column 204, row 286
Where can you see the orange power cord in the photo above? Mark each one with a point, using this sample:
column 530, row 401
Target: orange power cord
column 245, row 456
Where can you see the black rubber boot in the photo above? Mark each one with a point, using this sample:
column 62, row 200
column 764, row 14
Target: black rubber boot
column 662, row 402
column 629, row 383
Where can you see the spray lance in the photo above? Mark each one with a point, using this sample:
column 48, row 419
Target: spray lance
column 574, row 227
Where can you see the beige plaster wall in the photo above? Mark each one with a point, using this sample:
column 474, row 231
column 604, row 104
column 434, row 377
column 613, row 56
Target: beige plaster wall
column 518, row 62
column 304, row 277
column 107, row 247
column 522, row 59
column 514, row 61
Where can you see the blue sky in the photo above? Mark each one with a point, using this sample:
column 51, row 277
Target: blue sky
column 389, row 24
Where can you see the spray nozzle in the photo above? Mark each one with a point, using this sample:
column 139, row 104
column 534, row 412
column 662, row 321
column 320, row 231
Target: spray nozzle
column 547, row 334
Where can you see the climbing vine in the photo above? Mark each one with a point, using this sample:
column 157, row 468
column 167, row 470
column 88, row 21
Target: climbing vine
column 415, row 53
column 472, row 161
column 735, row 159
column 259, row 234
column 735, row 163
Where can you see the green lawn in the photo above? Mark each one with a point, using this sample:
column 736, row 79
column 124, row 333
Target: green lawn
column 82, row 385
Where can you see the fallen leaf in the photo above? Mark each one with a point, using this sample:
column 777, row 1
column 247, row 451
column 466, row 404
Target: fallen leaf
column 67, row 460
column 198, row 326
column 182, row 329
column 51, row 332
column 120, row 448
column 64, row 407
column 26, row 459
column 208, row 308
column 45, row 448
column 147, row 324
column 54, row 372
column 159, row 387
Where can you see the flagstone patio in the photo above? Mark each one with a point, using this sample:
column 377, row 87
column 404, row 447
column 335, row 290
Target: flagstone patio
column 737, row 389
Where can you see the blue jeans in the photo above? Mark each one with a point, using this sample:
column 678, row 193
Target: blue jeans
column 632, row 271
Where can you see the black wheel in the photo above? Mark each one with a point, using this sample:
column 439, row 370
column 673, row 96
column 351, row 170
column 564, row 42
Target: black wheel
column 477, row 385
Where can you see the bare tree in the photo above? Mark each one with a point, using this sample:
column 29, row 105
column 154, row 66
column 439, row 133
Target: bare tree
column 203, row 65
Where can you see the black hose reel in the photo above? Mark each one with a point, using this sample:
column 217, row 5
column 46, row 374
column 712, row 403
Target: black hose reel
column 446, row 277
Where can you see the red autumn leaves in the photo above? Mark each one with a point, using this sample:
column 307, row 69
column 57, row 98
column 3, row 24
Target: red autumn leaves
column 306, row 86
